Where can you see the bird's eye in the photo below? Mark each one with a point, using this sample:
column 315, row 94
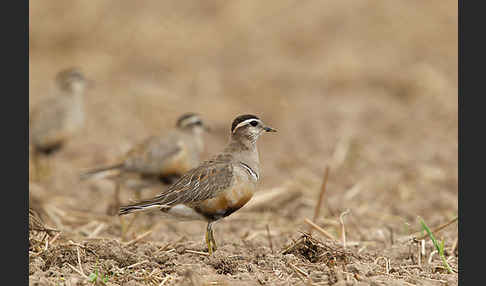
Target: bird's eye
column 254, row 123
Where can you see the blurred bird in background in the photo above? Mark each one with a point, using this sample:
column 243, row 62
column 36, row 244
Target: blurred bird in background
column 58, row 118
column 159, row 159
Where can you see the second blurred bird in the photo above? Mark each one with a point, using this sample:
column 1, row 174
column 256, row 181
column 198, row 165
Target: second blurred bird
column 164, row 158
column 55, row 120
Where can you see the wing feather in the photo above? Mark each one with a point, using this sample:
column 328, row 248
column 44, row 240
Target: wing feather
column 201, row 183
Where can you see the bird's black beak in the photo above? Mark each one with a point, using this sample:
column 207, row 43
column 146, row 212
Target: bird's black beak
column 269, row 129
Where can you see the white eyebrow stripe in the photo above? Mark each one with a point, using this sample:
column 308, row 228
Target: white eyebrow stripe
column 245, row 122
column 250, row 171
column 190, row 120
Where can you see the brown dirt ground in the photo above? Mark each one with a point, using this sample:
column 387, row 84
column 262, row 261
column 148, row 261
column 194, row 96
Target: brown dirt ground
column 368, row 88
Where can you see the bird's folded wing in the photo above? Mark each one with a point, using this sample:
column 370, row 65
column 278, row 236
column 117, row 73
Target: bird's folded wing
column 199, row 184
column 46, row 118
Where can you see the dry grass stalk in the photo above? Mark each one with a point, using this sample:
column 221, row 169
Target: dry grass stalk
column 55, row 238
column 36, row 223
column 292, row 246
column 77, row 270
column 319, row 229
column 343, row 230
column 138, row 238
column 419, row 255
column 431, row 256
column 76, row 244
column 454, row 245
column 269, row 238
column 80, row 270
column 299, row 272
column 163, row 248
column 272, row 198
column 387, row 263
column 97, row 230
column 390, row 230
column 321, row 196
column 39, row 234
column 196, row 252
column 47, row 244
column 136, row 264
column 79, row 261
column 165, row 280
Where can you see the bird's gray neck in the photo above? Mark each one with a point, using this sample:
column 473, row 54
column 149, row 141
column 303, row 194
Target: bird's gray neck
column 244, row 150
column 196, row 135
column 73, row 95
column 242, row 144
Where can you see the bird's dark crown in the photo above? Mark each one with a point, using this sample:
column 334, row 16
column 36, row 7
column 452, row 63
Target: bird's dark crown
column 68, row 77
column 240, row 119
column 70, row 73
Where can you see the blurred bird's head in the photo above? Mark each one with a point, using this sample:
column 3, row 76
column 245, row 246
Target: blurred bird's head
column 191, row 122
column 72, row 81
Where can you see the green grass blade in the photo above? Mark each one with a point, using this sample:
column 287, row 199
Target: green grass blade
column 440, row 248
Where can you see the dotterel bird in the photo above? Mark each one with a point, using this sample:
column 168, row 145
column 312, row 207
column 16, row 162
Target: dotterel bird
column 165, row 157
column 217, row 187
column 58, row 118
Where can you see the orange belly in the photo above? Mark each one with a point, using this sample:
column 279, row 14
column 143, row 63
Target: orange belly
column 226, row 203
column 178, row 165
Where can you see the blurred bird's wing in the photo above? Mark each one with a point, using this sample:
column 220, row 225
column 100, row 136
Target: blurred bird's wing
column 145, row 157
column 46, row 121
column 152, row 153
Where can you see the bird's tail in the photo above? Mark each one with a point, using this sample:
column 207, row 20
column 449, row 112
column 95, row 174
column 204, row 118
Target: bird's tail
column 138, row 207
column 89, row 174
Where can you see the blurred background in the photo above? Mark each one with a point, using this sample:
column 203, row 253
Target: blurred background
column 368, row 88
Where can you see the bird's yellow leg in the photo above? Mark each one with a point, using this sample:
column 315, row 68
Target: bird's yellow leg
column 49, row 167
column 209, row 240
column 211, row 237
column 40, row 168
column 35, row 166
